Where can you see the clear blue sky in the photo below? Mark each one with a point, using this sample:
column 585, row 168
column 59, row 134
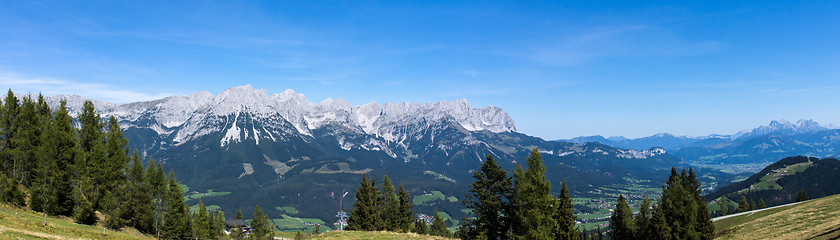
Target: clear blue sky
column 559, row 69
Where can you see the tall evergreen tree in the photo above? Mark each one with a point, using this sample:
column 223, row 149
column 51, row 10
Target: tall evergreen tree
column 703, row 223
column 8, row 130
column 679, row 206
column 139, row 209
column 489, row 199
column 389, row 207
column 404, row 212
column 724, row 207
column 565, row 216
column 364, row 216
column 25, row 141
column 262, row 226
column 643, row 218
column 176, row 220
column 420, row 226
column 621, row 221
column 201, row 224
column 439, row 226
column 761, row 203
column 743, row 205
column 658, row 228
column 533, row 202
column 158, row 189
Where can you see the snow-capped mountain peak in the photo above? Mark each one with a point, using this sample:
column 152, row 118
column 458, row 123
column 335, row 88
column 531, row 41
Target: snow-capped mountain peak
column 202, row 113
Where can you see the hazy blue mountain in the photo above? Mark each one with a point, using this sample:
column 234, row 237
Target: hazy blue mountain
column 284, row 151
column 763, row 144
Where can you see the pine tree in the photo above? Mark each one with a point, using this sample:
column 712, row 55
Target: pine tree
column 565, row 215
column 621, row 221
column 113, row 178
column 533, row 202
column 743, row 205
column 420, row 226
column 488, row 198
column 364, row 216
column 24, row 142
column 140, row 212
column 201, row 224
column 643, row 218
column 404, row 212
column 752, row 204
column 158, row 188
column 761, row 203
column 724, row 207
column 262, row 226
column 8, row 113
column 176, row 220
column 801, row 196
column 389, row 207
column 217, row 224
column 679, row 206
column 658, row 228
column 236, row 233
column 703, row 223
column 439, row 226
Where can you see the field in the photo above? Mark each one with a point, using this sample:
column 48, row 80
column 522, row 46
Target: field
column 597, row 207
column 16, row 223
column 429, row 198
column 815, row 219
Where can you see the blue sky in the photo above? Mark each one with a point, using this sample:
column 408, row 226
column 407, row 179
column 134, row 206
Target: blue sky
column 560, row 69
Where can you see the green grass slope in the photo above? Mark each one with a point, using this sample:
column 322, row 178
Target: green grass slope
column 358, row 235
column 16, row 223
column 815, row 219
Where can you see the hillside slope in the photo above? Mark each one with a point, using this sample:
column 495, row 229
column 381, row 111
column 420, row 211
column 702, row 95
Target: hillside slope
column 780, row 182
column 815, row 219
column 16, row 223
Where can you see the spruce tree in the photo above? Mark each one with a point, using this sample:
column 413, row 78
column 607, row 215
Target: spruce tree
column 439, row 226
column 364, row 216
column 565, row 216
column 643, row 218
column 389, row 207
column 176, row 221
column 24, row 142
column 533, row 202
column 743, row 205
column 8, row 113
column 158, row 189
column 752, row 204
column 761, row 203
column 679, row 206
column 201, row 222
column 658, row 228
column 404, row 212
column 488, row 198
column 703, row 223
column 262, row 226
column 420, row 226
column 621, row 221
column 139, row 209
column 724, row 207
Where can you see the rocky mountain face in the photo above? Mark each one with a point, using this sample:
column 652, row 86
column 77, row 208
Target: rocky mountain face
column 284, row 151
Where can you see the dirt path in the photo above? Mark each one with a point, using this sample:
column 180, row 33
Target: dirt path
column 754, row 211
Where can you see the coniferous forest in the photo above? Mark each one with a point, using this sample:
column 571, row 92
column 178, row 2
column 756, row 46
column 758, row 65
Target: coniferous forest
column 89, row 173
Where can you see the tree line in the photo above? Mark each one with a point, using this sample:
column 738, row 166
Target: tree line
column 518, row 207
column 385, row 208
column 680, row 213
column 76, row 172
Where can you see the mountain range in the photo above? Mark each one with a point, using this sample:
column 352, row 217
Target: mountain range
column 305, row 159
column 761, row 145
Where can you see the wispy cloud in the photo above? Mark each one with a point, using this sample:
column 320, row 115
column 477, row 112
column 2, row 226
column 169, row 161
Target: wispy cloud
column 574, row 47
column 53, row 86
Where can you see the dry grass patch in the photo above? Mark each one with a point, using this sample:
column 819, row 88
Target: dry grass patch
column 816, row 219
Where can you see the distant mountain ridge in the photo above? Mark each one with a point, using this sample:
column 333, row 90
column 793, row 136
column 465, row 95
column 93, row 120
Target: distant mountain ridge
column 777, row 140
